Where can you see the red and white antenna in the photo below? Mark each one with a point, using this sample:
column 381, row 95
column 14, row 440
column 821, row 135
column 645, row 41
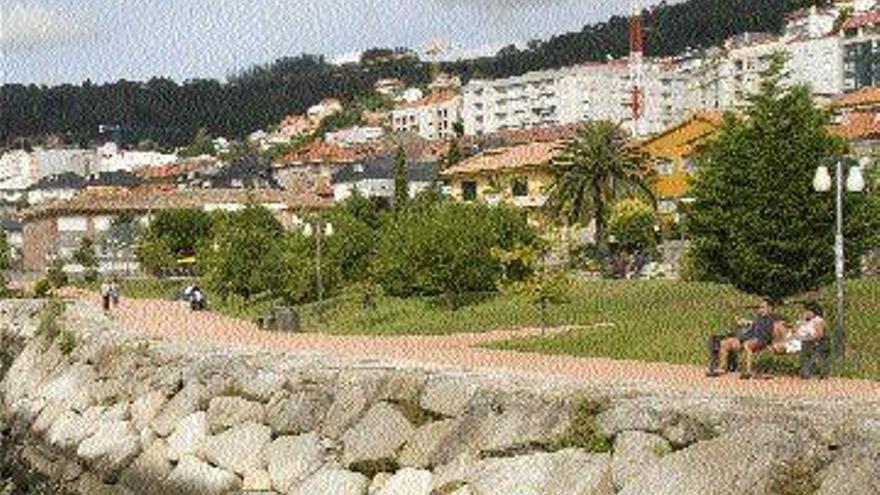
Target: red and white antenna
column 636, row 66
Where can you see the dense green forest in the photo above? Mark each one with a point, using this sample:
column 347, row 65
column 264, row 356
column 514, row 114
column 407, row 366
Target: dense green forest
column 170, row 113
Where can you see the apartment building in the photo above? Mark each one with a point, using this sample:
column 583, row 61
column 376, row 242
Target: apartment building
column 431, row 117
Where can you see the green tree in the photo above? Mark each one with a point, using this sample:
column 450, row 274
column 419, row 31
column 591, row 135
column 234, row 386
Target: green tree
column 243, row 256
column 202, row 144
column 632, row 223
column 181, row 229
column 401, row 189
column 5, row 254
column 756, row 222
column 444, row 247
column 593, row 170
column 85, row 255
column 153, row 254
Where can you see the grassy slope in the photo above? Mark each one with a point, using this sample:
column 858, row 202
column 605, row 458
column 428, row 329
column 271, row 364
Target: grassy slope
column 650, row 320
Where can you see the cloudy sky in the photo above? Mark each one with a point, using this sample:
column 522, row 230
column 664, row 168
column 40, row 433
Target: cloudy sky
column 55, row 41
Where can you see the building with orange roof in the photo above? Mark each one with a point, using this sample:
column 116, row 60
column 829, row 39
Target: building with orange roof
column 431, row 117
column 518, row 174
column 673, row 155
column 55, row 230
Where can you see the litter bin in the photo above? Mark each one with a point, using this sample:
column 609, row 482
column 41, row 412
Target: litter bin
column 281, row 319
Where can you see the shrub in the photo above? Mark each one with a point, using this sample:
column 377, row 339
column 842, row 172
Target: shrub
column 47, row 324
column 632, row 224
column 66, row 341
column 154, row 255
column 42, row 287
column 244, row 255
column 55, row 275
column 445, row 247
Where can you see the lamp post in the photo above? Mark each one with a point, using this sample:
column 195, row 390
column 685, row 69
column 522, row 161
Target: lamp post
column 321, row 228
column 822, row 182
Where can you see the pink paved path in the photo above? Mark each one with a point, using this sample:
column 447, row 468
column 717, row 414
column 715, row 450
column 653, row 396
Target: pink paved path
column 174, row 320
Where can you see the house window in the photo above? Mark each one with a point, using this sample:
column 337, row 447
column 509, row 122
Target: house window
column 664, row 167
column 666, row 206
column 468, row 190
column 690, row 165
column 520, row 188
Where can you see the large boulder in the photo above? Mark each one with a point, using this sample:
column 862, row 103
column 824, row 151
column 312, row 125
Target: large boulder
column 111, row 448
column 189, row 436
column 351, row 399
column 262, row 385
column 71, row 428
column 194, row 476
column 225, row 412
column 333, row 481
column 239, row 449
column 377, row 437
column 191, row 398
column 70, row 388
column 855, row 470
column 292, row 459
column 567, row 472
column 447, row 396
column 749, row 461
column 427, row 443
column 634, row 453
column 408, row 481
column 504, row 422
column 145, row 408
column 302, row 412
column 151, row 468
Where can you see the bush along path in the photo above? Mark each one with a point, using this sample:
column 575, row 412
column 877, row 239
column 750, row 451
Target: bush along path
column 174, row 321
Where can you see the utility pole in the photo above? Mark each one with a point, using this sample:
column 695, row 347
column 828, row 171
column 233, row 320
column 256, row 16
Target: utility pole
column 636, row 67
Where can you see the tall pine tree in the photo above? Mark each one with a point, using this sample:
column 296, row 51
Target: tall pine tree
column 756, row 222
column 401, row 190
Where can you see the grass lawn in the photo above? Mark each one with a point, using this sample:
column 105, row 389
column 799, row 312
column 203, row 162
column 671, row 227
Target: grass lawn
column 642, row 320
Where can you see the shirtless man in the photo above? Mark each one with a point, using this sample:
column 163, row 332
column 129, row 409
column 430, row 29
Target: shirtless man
column 758, row 335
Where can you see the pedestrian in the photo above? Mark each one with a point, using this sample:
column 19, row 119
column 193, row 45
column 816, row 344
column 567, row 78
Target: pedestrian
column 105, row 296
column 114, row 292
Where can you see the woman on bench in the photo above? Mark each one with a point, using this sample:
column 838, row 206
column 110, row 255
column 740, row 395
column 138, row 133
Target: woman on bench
column 810, row 328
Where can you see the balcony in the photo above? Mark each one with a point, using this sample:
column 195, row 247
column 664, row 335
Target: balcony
column 529, row 201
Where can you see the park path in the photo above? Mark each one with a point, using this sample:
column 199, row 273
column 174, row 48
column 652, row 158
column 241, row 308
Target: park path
column 173, row 320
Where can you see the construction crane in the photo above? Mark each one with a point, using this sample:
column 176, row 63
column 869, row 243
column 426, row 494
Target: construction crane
column 636, row 67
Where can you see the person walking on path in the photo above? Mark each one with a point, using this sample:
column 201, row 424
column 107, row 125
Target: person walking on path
column 105, row 296
column 114, row 292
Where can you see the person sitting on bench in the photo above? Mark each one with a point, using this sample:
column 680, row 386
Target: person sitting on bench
column 810, row 328
column 751, row 336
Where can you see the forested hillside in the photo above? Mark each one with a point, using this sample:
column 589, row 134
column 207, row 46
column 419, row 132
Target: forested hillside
column 170, row 113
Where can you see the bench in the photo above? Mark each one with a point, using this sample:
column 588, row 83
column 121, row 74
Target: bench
column 279, row 319
column 814, row 359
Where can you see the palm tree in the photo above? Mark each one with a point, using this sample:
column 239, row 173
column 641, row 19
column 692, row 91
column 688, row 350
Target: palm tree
column 591, row 171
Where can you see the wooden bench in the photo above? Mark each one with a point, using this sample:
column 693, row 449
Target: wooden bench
column 814, row 359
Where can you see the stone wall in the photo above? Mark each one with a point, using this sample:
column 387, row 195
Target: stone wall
column 122, row 414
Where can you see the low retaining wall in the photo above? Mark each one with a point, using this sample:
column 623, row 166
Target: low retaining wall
column 112, row 412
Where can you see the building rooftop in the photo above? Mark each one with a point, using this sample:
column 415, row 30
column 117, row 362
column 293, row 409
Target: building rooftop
column 143, row 200
column 509, row 158
column 869, row 96
column 858, row 125
column 66, row 180
column 383, row 168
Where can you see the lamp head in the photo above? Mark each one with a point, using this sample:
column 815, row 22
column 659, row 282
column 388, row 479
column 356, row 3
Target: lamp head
column 822, row 179
column 855, row 182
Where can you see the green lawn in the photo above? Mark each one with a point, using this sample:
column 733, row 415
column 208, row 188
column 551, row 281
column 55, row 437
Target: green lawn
column 643, row 320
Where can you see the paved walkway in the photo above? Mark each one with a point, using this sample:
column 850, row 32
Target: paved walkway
column 174, row 320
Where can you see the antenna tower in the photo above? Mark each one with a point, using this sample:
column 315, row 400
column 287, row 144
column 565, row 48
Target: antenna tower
column 636, row 66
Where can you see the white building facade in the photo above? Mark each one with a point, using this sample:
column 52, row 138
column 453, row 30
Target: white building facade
column 432, row 117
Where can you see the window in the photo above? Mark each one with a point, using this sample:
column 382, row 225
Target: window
column 666, row 206
column 468, row 190
column 690, row 165
column 520, row 187
column 664, row 167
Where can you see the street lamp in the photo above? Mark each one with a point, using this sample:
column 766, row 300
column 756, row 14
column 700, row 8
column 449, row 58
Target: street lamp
column 320, row 228
column 855, row 182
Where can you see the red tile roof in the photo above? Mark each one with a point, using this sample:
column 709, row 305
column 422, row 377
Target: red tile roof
column 434, row 98
column 860, row 20
column 862, row 97
column 858, row 125
column 508, row 158
column 147, row 199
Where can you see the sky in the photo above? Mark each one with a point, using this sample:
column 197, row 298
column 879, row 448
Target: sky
column 69, row 41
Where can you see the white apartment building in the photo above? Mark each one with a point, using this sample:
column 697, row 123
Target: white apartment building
column 432, row 117
column 598, row 91
column 110, row 158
